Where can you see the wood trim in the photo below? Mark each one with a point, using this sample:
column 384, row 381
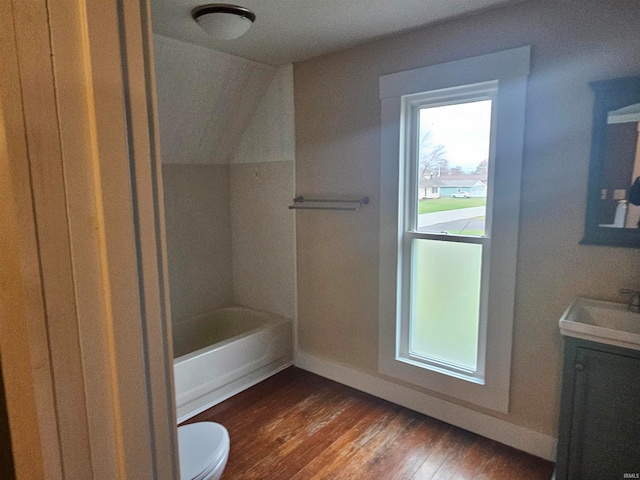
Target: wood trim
column 123, row 256
column 68, row 33
column 506, row 64
column 89, row 366
column 24, row 344
column 47, row 176
column 145, row 150
column 112, row 192
column 516, row 436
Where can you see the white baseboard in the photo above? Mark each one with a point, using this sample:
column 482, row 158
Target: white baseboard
column 516, row 436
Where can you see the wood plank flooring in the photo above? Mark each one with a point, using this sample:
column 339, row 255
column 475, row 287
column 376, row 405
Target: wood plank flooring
column 297, row 425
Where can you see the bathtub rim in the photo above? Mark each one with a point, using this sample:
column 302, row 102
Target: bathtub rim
column 272, row 319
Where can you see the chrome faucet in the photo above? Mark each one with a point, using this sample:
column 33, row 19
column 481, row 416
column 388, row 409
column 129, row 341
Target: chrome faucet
column 634, row 304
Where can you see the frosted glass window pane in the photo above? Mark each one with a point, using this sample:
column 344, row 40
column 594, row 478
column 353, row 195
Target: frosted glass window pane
column 453, row 167
column 445, row 301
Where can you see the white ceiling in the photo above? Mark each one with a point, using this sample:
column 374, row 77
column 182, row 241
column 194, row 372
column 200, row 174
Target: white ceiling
column 288, row 31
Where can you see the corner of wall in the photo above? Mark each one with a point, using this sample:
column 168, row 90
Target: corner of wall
column 262, row 182
column 269, row 136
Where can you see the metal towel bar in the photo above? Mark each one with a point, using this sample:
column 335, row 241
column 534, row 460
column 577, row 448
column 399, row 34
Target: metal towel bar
column 350, row 205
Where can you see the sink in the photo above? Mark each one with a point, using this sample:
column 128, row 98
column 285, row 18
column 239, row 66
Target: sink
column 603, row 322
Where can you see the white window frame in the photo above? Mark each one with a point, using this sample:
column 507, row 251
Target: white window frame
column 408, row 220
column 488, row 387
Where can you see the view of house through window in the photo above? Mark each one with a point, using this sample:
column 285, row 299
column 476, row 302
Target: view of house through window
column 453, row 167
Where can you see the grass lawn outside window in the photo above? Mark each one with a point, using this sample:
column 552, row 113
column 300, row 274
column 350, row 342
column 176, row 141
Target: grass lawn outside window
column 442, row 204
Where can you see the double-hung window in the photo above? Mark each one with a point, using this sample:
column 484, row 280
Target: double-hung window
column 451, row 165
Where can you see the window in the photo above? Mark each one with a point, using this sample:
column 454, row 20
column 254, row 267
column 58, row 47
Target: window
column 445, row 237
column 450, row 169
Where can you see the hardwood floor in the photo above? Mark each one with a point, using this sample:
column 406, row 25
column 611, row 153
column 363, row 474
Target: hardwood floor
column 297, row 425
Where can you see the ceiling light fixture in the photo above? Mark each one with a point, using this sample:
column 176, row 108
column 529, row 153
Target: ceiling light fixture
column 223, row 21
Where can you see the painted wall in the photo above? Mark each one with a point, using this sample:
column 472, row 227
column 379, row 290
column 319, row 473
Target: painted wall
column 269, row 136
column 263, row 233
column 337, row 153
column 198, row 225
column 206, row 100
column 262, row 186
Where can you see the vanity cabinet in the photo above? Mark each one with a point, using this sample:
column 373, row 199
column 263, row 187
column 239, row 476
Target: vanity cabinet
column 599, row 437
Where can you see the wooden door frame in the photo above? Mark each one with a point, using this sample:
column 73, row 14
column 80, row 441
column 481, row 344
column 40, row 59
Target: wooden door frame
column 85, row 325
column 24, row 344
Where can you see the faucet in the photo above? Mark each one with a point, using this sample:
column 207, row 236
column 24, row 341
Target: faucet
column 634, row 304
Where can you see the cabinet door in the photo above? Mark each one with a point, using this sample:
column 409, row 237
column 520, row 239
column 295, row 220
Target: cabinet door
column 605, row 432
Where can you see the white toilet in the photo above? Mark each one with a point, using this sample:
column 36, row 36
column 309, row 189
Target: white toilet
column 204, row 449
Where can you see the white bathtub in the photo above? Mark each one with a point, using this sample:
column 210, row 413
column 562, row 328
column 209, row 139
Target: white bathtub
column 222, row 353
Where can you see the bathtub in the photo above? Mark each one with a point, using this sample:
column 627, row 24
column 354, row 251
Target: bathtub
column 224, row 352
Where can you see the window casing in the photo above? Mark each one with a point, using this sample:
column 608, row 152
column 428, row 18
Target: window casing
column 501, row 78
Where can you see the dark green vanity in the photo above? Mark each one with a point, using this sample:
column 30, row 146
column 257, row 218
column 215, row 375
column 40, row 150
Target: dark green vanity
column 599, row 432
column 599, row 436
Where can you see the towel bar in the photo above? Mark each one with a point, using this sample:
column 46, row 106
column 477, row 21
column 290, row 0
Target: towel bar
column 350, row 205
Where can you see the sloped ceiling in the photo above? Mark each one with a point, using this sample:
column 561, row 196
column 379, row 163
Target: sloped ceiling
column 206, row 100
column 289, row 31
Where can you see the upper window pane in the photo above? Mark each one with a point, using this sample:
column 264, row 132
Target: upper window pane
column 453, row 166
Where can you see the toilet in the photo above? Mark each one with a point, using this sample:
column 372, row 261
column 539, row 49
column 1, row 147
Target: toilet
column 204, row 449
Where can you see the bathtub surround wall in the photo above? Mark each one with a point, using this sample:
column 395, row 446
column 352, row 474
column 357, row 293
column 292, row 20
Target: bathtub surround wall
column 263, row 236
column 337, row 152
column 230, row 236
column 262, row 187
column 198, row 226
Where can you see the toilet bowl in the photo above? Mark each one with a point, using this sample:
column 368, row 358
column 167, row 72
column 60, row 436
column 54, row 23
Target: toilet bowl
column 204, row 449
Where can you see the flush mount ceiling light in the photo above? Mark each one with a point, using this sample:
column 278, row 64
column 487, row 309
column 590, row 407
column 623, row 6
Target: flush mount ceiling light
column 223, row 21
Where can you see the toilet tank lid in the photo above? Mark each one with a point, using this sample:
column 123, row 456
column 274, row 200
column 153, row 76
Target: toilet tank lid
column 200, row 446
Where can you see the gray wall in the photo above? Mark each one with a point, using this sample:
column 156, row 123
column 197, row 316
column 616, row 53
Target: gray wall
column 262, row 186
column 263, row 232
column 198, row 225
column 337, row 152
column 230, row 237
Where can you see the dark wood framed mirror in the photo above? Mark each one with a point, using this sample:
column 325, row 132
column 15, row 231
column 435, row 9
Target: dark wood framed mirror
column 613, row 194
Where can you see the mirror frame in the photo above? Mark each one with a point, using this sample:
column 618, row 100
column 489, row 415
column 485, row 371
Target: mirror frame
column 609, row 95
